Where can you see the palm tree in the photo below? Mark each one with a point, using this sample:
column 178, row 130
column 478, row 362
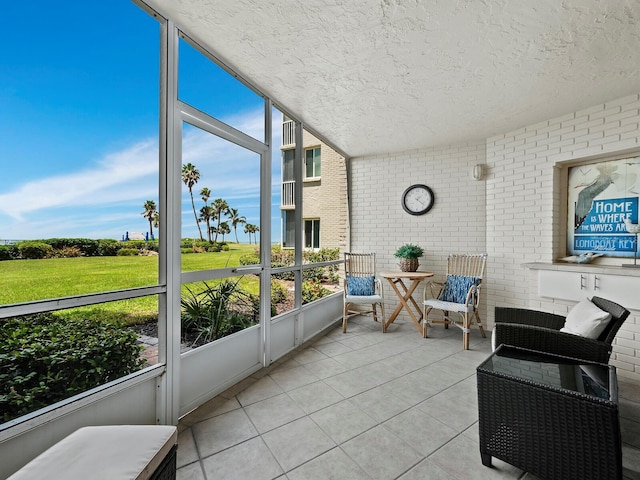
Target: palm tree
column 223, row 228
column 250, row 228
column 150, row 213
column 236, row 219
column 220, row 207
column 207, row 213
column 205, row 193
column 190, row 176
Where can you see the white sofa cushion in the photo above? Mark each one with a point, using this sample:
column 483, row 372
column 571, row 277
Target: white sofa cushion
column 586, row 319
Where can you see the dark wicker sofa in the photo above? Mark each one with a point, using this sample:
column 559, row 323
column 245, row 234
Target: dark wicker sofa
column 539, row 331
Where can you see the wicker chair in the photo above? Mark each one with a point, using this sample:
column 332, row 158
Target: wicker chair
column 361, row 287
column 539, row 331
column 460, row 294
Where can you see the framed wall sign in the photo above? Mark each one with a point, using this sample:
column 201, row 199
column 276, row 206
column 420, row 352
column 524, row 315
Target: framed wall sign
column 601, row 196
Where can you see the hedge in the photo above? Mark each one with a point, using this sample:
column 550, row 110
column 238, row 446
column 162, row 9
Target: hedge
column 44, row 359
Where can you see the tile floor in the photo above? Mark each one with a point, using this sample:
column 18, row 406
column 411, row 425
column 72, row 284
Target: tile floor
column 361, row 405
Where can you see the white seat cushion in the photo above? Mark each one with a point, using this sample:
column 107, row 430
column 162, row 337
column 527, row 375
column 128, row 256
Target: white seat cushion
column 447, row 306
column 363, row 298
column 114, row 452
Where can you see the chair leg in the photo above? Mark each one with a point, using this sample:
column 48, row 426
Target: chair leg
column 479, row 322
column 375, row 314
column 465, row 331
column 345, row 315
column 425, row 314
column 446, row 319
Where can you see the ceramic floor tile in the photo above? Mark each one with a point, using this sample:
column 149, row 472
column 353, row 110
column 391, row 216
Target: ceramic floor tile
column 310, row 354
column 352, row 382
column 315, row 396
column 187, row 452
column 274, row 412
column 262, row 389
column 332, row 349
column 192, row 471
column 379, row 404
column 325, row 368
column 382, row 454
column 343, row 421
column 293, row 378
column 222, row 432
column 461, row 458
column 355, row 359
column 213, row 407
column 297, row 443
column 456, row 411
column 411, row 389
column 423, row 432
column 249, row 460
column 427, row 470
column 334, row 464
column 405, row 397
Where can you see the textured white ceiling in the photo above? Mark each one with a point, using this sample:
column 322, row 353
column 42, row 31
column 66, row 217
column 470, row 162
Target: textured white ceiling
column 376, row 76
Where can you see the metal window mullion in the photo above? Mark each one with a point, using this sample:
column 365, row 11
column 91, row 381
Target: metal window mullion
column 169, row 393
column 298, row 175
column 214, row 126
column 265, row 235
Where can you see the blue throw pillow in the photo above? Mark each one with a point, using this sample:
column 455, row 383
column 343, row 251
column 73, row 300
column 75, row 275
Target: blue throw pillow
column 360, row 285
column 456, row 288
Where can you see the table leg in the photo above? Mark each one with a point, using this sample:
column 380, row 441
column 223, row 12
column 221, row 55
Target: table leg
column 395, row 313
column 405, row 298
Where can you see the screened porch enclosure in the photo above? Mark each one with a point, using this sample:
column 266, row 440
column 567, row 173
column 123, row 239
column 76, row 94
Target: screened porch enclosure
column 200, row 150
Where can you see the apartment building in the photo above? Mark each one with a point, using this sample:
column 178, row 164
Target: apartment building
column 324, row 192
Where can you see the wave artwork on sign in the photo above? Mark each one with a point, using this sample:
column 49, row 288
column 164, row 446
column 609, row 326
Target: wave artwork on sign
column 602, row 200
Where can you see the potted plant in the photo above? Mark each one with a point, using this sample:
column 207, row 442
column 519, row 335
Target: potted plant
column 408, row 255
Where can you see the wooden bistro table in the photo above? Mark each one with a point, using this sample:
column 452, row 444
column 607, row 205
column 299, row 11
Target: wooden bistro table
column 405, row 295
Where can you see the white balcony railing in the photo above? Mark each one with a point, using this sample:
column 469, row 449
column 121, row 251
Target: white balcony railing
column 288, row 195
column 288, row 133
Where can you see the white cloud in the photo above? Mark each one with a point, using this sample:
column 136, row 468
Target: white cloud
column 116, row 178
column 105, row 199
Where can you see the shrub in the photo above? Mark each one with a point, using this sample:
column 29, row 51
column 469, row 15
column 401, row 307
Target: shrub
column 282, row 257
column 312, row 291
column 128, row 252
column 9, row 252
column 278, row 292
column 108, row 247
column 34, row 249
column 249, row 259
column 45, row 359
column 87, row 246
column 218, row 310
column 67, row 252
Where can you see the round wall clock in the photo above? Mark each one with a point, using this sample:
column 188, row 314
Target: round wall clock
column 417, row 199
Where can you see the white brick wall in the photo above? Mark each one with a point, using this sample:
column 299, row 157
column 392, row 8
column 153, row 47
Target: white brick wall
column 512, row 215
column 456, row 223
column 524, row 207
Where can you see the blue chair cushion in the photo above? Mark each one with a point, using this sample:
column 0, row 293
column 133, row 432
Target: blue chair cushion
column 456, row 288
column 360, row 285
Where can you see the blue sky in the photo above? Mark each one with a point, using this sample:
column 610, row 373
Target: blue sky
column 79, row 123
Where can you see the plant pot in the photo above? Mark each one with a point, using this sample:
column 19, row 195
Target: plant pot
column 408, row 264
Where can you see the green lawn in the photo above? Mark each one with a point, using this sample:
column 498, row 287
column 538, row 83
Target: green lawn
column 27, row 280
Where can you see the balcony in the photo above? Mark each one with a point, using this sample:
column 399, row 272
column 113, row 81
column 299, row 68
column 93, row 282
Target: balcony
column 288, row 198
column 361, row 405
column 288, row 134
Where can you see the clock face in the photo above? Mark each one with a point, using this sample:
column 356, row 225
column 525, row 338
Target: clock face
column 417, row 199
